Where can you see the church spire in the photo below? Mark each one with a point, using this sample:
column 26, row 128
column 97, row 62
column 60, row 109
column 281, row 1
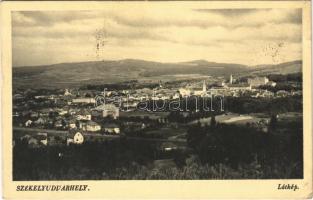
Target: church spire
column 204, row 86
column 231, row 79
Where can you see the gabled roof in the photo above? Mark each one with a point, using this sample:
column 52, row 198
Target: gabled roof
column 83, row 112
column 40, row 137
column 168, row 144
column 41, row 119
column 72, row 120
column 92, row 123
column 106, row 107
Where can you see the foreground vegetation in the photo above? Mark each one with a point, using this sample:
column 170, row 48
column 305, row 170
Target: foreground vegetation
column 217, row 151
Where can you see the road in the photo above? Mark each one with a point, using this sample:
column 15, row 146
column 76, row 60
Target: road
column 64, row 133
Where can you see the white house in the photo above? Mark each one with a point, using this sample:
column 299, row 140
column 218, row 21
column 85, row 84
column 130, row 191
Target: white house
column 112, row 128
column 75, row 138
column 83, row 115
column 184, row 92
column 42, row 138
column 257, row 81
column 59, row 123
column 109, row 110
column 62, row 112
column 176, row 96
column 92, row 126
column 33, row 142
column 67, row 93
column 28, row 123
column 72, row 124
column 40, row 121
column 167, row 146
column 271, row 83
column 84, row 101
column 282, row 93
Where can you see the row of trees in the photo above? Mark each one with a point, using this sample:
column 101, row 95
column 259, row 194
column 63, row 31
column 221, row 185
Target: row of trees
column 262, row 105
column 281, row 86
column 127, row 85
column 234, row 145
column 296, row 77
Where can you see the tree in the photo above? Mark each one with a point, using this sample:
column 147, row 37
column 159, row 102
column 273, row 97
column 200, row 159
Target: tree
column 273, row 122
column 213, row 121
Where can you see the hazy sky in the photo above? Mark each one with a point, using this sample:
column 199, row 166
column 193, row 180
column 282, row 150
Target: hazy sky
column 245, row 36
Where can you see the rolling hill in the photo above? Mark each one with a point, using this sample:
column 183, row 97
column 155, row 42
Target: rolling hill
column 97, row 72
column 283, row 68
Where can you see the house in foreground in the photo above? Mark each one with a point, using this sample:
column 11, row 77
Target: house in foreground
column 168, row 146
column 89, row 126
column 28, row 123
column 88, row 100
column 72, row 123
column 74, row 137
column 42, row 138
column 35, row 141
column 92, row 126
column 83, row 115
column 112, row 128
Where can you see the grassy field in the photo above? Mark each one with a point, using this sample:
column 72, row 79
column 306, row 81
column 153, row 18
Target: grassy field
column 168, row 132
column 142, row 114
column 233, row 118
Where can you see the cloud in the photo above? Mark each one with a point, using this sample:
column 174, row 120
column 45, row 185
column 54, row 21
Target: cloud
column 155, row 34
column 201, row 18
column 293, row 16
column 229, row 12
column 48, row 18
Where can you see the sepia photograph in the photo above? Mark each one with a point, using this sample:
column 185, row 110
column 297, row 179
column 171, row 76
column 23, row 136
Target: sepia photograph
column 202, row 94
column 176, row 94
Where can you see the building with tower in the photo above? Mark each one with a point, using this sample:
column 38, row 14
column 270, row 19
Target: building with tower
column 202, row 92
column 231, row 79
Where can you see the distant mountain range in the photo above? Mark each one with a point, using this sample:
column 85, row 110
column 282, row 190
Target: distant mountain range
column 97, row 72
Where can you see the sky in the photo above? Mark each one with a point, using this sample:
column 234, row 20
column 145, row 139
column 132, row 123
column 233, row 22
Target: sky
column 163, row 34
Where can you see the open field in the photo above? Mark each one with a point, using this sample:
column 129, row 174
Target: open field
column 167, row 132
column 233, row 118
column 143, row 114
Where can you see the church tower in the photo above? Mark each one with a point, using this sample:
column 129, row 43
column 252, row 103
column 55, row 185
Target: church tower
column 204, row 87
column 231, row 79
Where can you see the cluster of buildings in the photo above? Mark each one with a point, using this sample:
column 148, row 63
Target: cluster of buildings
column 230, row 88
column 98, row 112
column 236, row 88
column 76, row 117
